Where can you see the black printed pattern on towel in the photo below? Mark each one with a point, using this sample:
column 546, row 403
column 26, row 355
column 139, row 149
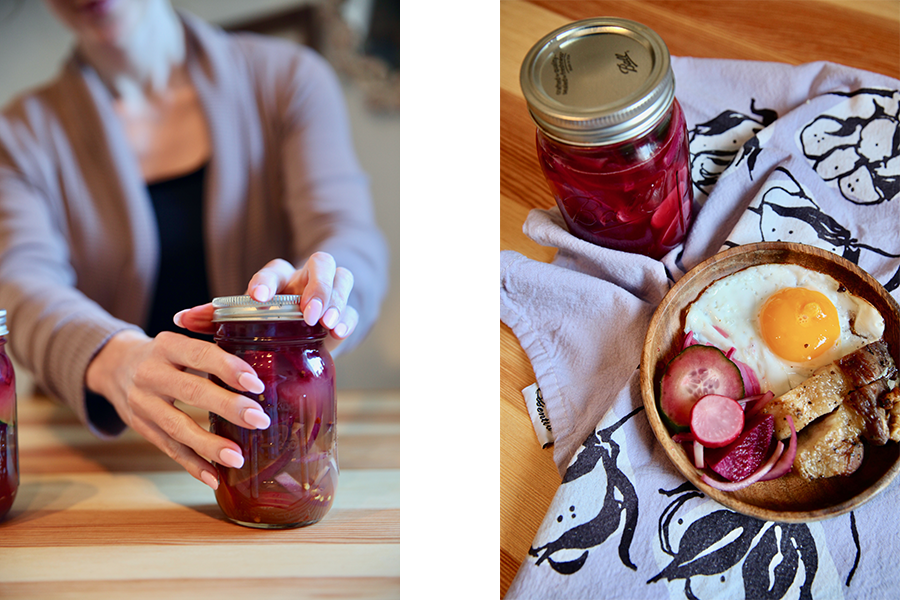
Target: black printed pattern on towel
column 858, row 154
column 719, row 541
column 715, row 143
column 787, row 213
column 620, row 497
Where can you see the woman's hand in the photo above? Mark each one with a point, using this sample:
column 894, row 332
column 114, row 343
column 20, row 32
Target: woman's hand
column 142, row 377
column 323, row 288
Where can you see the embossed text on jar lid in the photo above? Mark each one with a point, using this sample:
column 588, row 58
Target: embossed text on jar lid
column 598, row 81
column 285, row 307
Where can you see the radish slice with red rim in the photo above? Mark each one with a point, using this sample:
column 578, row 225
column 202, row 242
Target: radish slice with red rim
column 716, row 421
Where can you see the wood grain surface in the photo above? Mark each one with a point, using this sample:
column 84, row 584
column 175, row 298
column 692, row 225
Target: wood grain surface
column 119, row 519
column 858, row 33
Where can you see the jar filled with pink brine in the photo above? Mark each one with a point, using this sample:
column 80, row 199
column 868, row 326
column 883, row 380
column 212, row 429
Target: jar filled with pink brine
column 9, row 452
column 611, row 137
column 290, row 470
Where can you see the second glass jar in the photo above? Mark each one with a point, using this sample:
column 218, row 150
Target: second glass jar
column 9, row 449
column 290, row 470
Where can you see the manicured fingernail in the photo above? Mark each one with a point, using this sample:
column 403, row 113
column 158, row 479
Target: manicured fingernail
column 260, row 293
column 341, row 330
column 230, row 458
column 251, row 383
column 313, row 311
column 177, row 319
column 331, row 317
column 257, row 418
column 209, row 479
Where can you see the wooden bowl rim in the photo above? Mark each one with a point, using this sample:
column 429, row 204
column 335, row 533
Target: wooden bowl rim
column 674, row 451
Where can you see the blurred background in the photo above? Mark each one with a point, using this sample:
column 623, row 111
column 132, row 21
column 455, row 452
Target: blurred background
column 360, row 38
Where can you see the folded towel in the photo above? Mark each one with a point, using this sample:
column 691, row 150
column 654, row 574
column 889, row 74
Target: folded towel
column 807, row 154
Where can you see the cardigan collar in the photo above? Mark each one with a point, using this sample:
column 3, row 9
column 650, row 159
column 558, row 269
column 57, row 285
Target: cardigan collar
column 212, row 70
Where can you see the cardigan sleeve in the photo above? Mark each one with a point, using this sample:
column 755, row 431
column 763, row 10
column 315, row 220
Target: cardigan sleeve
column 326, row 192
column 55, row 329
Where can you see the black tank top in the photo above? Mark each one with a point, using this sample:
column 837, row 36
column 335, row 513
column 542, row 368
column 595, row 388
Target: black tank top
column 182, row 281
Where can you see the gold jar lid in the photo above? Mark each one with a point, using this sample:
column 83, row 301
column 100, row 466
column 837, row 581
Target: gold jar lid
column 284, row 307
column 598, row 81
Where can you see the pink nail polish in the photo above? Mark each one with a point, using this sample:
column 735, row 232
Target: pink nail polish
column 331, row 317
column 178, row 318
column 260, row 293
column 313, row 311
column 209, row 479
column 257, row 418
column 251, row 383
column 230, row 458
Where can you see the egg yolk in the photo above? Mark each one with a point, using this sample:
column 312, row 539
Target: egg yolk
column 799, row 324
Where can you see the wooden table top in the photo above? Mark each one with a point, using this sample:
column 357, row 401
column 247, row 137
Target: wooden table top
column 119, row 519
column 857, row 33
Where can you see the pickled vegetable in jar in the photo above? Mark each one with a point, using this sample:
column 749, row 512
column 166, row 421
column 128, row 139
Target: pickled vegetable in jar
column 9, row 451
column 611, row 137
column 290, row 470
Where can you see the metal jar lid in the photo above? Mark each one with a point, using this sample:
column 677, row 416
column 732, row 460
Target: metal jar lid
column 3, row 329
column 243, row 308
column 598, row 81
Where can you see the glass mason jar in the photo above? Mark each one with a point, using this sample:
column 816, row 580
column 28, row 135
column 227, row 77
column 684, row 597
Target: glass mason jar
column 611, row 138
column 290, row 469
column 9, row 450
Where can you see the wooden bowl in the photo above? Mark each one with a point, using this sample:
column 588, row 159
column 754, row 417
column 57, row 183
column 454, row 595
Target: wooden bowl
column 790, row 498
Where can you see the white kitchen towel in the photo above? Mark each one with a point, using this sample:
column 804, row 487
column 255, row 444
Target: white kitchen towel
column 807, row 153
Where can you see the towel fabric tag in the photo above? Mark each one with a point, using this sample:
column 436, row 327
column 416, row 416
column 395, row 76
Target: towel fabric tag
column 539, row 419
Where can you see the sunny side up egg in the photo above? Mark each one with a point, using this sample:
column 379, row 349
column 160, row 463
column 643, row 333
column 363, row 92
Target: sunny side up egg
column 784, row 322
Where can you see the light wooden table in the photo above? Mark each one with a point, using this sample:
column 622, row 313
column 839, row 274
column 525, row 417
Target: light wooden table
column 857, row 33
column 119, row 519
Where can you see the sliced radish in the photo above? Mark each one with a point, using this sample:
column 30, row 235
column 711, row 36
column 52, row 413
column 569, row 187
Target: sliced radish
column 731, row 486
column 716, row 421
column 786, row 462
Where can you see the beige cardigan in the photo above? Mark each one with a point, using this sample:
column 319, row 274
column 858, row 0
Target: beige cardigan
column 78, row 238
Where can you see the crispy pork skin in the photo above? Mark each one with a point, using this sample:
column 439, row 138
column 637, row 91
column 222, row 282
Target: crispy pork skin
column 865, row 402
column 868, row 364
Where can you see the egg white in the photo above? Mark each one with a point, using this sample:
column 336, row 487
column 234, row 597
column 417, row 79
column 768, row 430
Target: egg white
column 726, row 315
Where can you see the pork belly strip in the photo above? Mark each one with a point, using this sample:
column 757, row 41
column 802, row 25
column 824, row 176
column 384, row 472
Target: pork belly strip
column 830, row 446
column 826, row 389
column 865, row 401
column 870, row 363
column 817, row 396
